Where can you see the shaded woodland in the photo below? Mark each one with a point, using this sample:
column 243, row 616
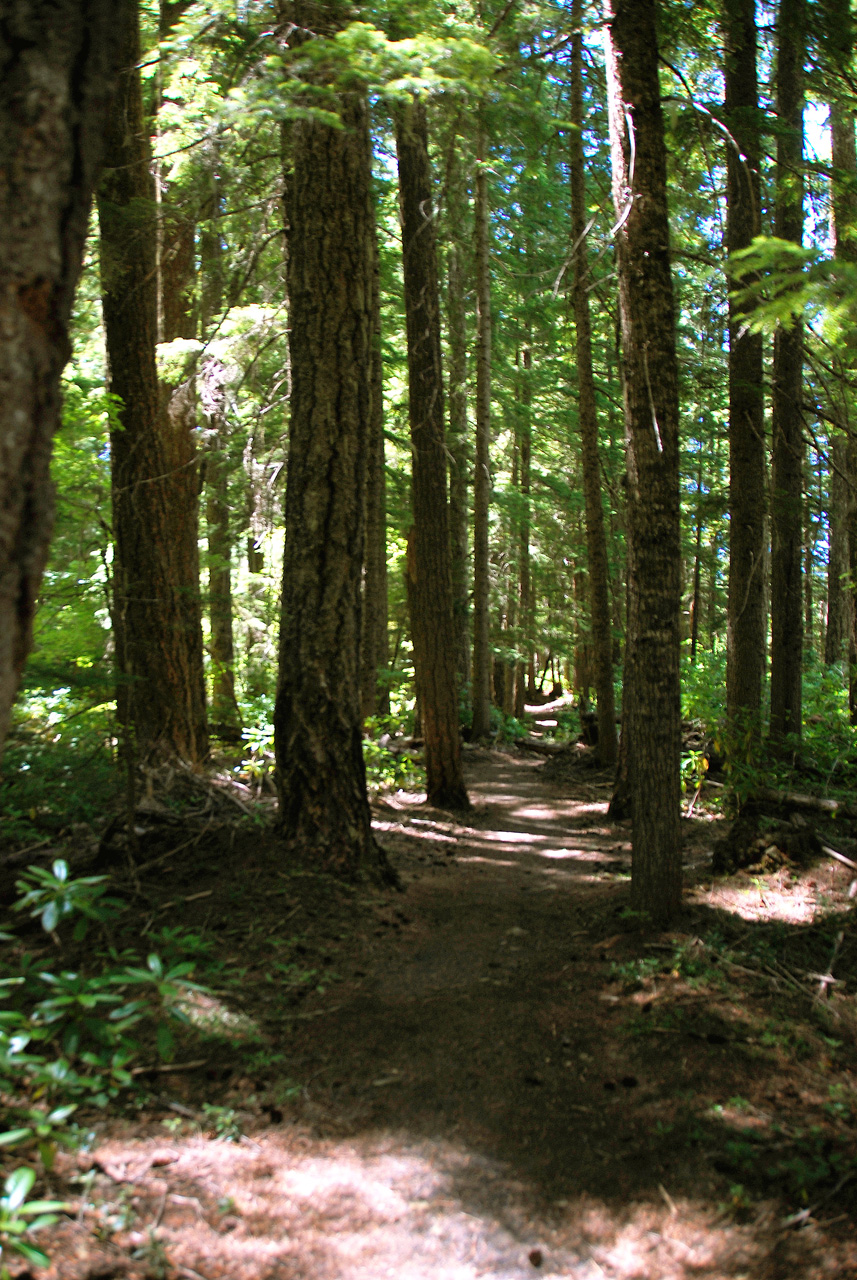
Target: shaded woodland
column 375, row 377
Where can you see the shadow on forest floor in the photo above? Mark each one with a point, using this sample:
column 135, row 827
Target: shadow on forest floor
column 489, row 1075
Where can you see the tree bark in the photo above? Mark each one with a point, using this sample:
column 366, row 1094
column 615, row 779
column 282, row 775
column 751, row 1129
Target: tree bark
column 153, row 463
column 651, row 418
column 57, row 74
column 786, row 418
column 375, row 689
column 457, row 436
column 320, row 775
column 745, row 643
column 225, row 713
column 839, row 599
column 524, row 584
column 842, row 615
column 596, row 541
column 429, row 566
column 482, row 472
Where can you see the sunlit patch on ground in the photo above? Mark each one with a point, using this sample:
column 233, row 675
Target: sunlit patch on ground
column 281, row 1206
column 212, row 1016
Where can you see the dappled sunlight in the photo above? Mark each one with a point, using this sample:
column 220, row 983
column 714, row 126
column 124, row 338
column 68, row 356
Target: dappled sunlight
column 491, row 862
column 281, row 1205
column 210, row 1015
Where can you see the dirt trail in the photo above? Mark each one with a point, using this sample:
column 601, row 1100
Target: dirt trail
column 480, row 1096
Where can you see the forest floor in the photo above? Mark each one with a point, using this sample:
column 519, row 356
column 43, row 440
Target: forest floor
column 492, row 1074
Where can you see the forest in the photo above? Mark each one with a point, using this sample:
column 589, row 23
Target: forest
column 428, row 643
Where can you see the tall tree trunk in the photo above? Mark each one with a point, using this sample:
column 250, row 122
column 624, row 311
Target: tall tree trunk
column 57, row 67
column 320, row 775
column 375, row 689
column 429, row 567
column 225, row 713
column 746, row 629
column 457, row 436
column 839, row 600
column 482, row 473
column 596, row 541
column 842, row 614
column 154, row 472
column 524, row 588
column 786, row 418
column 651, row 418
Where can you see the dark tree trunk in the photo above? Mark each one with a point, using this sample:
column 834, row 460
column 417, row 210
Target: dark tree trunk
column 651, row 417
column 746, row 638
column 524, row 586
column 839, row 599
column 429, row 567
column 321, row 779
column 154, row 473
column 596, row 541
column 841, row 613
column 457, row 437
column 375, row 689
column 482, row 471
column 57, row 65
column 786, row 418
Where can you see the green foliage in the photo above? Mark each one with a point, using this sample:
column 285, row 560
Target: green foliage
column 51, row 896
column 19, row 1217
column 65, row 1036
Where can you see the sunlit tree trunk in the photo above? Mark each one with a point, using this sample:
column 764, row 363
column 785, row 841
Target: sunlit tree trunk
column 321, row 780
column 524, row 587
column 457, row 436
column 429, row 568
column 155, row 481
column 375, row 689
column 651, row 417
column 57, row 63
column 225, row 713
column 786, row 418
column 746, row 618
column 596, row 541
column 482, row 473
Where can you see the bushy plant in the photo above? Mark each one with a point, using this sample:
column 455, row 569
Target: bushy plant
column 66, row 1036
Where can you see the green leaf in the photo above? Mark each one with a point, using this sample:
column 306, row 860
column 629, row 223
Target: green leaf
column 50, row 917
column 31, row 1253
column 17, row 1186
column 166, row 1043
column 13, row 1136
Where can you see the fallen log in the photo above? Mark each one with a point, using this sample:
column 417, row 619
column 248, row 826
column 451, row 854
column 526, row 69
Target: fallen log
column 544, row 748
column 798, row 800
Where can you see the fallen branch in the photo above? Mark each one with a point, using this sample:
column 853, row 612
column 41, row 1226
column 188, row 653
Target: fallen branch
column 169, row 1066
column 544, row 748
column 840, row 857
column 798, row 800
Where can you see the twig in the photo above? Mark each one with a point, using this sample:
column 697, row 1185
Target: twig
column 667, row 1199
column 178, row 849
column 169, row 1066
column 156, row 1221
column 693, row 801
column 840, row 857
